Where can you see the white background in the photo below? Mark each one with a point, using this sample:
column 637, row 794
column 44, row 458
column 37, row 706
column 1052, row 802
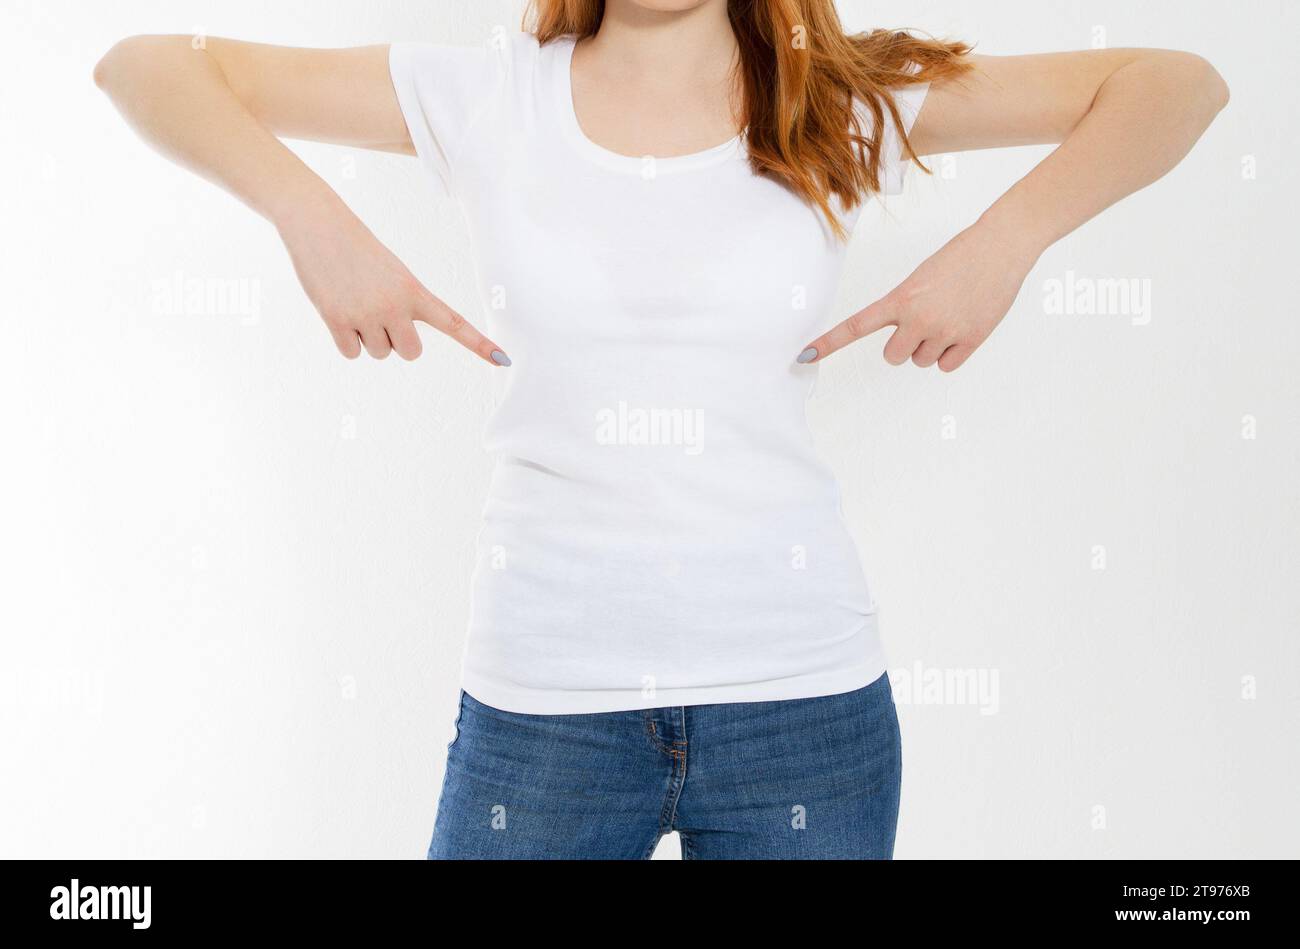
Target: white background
column 235, row 565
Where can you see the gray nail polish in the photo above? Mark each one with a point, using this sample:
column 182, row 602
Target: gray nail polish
column 500, row 358
column 808, row 355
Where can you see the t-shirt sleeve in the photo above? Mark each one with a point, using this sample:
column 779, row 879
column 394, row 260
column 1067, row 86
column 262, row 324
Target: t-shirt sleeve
column 443, row 91
column 909, row 100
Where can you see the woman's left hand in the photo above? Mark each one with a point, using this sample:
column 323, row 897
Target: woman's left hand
column 946, row 308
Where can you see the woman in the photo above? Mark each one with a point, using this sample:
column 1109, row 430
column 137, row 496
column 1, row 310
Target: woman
column 670, row 627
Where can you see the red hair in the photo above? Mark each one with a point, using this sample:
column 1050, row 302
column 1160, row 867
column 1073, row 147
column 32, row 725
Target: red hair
column 799, row 75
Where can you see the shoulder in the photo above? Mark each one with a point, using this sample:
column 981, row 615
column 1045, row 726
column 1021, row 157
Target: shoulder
column 512, row 48
column 906, row 97
column 518, row 60
column 501, row 51
column 906, row 101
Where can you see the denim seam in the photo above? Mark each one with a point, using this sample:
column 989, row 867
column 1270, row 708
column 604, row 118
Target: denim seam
column 658, row 743
column 680, row 756
column 455, row 726
column 654, row 842
column 668, row 813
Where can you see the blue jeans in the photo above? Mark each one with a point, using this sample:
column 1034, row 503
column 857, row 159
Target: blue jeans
column 799, row 779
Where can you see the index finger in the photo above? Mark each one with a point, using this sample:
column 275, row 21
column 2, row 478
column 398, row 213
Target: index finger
column 863, row 323
column 443, row 318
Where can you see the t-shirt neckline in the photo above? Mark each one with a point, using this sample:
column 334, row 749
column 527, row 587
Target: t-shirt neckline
column 615, row 160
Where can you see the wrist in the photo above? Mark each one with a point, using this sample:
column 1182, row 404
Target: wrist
column 303, row 206
column 1013, row 234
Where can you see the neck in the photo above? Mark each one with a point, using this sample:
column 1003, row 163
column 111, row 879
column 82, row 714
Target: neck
column 681, row 44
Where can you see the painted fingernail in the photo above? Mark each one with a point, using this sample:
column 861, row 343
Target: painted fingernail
column 500, row 358
column 808, row 355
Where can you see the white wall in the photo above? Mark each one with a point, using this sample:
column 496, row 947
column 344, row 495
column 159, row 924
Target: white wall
column 235, row 565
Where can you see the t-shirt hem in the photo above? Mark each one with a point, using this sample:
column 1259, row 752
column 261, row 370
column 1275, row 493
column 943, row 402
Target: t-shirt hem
column 526, row 701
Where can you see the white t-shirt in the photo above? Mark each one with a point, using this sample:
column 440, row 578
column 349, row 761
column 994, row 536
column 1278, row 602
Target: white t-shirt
column 659, row 530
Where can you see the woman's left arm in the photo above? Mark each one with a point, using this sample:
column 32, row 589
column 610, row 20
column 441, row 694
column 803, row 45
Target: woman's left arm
column 1123, row 119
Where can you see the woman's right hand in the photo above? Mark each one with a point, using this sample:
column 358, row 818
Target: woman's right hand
column 245, row 93
column 365, row 295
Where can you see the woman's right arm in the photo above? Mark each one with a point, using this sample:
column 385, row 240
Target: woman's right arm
column 217, row 108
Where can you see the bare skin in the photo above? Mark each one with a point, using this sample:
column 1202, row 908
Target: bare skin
column 655, row 80
column 1123, row 119
column 218, row 111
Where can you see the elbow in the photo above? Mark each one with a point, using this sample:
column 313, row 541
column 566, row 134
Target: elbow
column 112, row 63
column 1209, row 85
column 1219, row 89
column 122, row 59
